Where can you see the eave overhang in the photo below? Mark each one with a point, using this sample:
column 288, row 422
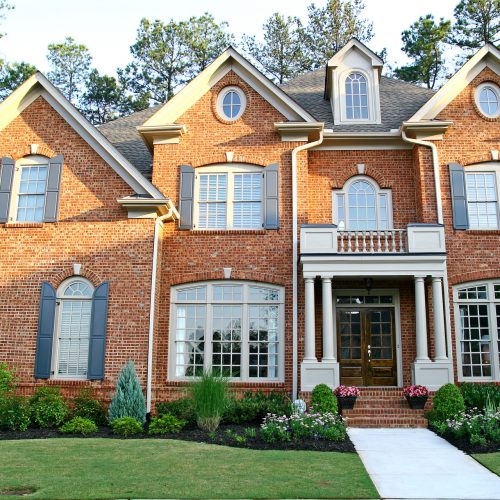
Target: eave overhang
column 426, row 129
column 299, row 131
column 161, row 134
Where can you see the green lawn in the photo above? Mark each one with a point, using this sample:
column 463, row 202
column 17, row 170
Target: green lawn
column 489, row 460
column 147, row 468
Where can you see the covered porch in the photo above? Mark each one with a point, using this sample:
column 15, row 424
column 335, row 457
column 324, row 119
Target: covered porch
column 391, row 330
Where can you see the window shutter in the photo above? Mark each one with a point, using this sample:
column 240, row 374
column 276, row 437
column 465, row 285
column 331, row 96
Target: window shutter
column 186, row 198
column 53, row 185
column 98, row 323
column 6, row 175
column 271, row 197
column 458, row 196
column 43, row 356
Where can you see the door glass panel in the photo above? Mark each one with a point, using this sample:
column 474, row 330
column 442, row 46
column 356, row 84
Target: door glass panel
column 381, row 334
column 350, row 334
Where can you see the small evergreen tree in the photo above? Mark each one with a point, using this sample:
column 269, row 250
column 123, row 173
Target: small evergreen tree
column 128, row 400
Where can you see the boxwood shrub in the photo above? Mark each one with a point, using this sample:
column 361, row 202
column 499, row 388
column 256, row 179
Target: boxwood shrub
column 79, row 425
column 48, row 408
column 323, row 400
column 447, row 403
column 166, row 424
column 126, row 426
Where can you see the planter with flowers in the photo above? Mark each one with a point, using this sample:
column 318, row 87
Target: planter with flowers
column 417, row 396
column 346, row 396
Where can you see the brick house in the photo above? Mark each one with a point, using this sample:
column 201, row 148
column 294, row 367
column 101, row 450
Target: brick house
column 340, row 229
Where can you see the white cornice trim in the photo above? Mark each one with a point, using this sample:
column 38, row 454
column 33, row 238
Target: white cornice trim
column 487, row 56
column 355, row 43
column 298, row 131
column 39, row 86
column 161, row 134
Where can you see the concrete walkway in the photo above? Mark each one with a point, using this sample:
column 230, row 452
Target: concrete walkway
column 417, row 464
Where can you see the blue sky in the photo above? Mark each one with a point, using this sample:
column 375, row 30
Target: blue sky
column 108, row 27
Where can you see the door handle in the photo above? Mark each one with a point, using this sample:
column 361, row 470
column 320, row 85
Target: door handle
column 369, row 353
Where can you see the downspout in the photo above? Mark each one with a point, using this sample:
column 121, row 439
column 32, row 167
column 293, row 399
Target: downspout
column 172, row 213
column 295, row 245
column 435, row 166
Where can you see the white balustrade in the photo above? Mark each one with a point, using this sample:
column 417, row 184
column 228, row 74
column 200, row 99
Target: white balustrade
column 388, row 241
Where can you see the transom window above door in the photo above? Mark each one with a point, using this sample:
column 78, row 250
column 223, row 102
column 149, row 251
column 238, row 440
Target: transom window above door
column 362, row 206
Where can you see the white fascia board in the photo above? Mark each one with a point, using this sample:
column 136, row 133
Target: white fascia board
column 354, row 42
column 487, row 56
column 38, row 85
column 199, row 86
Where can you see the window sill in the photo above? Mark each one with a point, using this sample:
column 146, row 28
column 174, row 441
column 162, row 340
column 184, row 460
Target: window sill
column 13, row 225
column 231, row 232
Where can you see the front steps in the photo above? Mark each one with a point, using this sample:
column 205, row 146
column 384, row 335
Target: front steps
column 384, row 407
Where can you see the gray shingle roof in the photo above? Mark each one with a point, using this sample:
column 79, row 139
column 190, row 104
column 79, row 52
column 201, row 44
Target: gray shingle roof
column 398, row 101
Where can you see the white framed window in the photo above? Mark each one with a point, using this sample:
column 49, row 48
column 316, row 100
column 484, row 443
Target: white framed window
column 232, row 328
column 29, row 188
column 482, row 183
column 356, row 94
column 477, row 329
column 488, row 99
column 231, row 103
column 72, row 329
column 229, row 197
column 362, row 206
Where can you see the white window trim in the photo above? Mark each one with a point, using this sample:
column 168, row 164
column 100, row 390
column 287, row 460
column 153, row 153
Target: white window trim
column 488, row 167
column 26, row 161
column 229, row 170
column 244, row 327
column 378, row 192
column 477, row 95
column 57, row 325
column 220, row 100
column 495, row 369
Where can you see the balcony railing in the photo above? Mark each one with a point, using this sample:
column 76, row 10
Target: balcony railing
column 328, row 239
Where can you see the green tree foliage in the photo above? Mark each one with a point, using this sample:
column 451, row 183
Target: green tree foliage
column 70, row 66
column 424, row 44
column 282, row 54
column 4, row 7
column 332, row 26
column 477, row 23
column 12, row 75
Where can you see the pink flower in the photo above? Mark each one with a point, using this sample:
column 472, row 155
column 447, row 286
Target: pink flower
column 343, row 392
column 415, row 391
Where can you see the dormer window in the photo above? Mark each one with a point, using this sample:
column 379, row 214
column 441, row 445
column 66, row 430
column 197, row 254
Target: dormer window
column 356, row 97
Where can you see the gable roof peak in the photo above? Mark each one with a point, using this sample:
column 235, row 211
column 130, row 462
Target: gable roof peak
column 355, row 44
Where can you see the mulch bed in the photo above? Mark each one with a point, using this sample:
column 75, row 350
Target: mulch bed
column 464, row 444
column 192, row 433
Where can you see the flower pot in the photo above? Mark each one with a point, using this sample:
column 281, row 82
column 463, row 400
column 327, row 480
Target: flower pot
column 347, row 402
column 416, row 403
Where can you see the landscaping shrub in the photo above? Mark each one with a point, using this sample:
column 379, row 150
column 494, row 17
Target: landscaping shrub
column 166, row 424
column 182, row 408
column 210, row 400
column 476, row 395
column 448, row 402
column 477, row 426
column 48, row 408
column 128, row 400
column 79, row 425
column 323, row 400
column 6, row 381
column 15, row 413
column 86, row 406
column 254, row 406
column 126, row 426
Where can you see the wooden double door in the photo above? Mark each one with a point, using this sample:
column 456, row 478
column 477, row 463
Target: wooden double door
column 366, row 344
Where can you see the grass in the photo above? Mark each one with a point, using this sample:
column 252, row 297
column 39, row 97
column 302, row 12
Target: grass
column 490, row 461
column 147, row 468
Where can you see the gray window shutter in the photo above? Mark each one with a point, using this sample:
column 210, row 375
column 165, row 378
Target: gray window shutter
column 458, row 196
column 43, row 356
column 53, row 185
column 98, row 326
column 271, row 197
column 6, row 175
column 186, row 198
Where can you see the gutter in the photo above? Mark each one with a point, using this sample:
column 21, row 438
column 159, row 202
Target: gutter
column 295, row 244
column 435, row 165
column 171, row 214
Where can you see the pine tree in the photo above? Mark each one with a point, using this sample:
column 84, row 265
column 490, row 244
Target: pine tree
column 128, row 400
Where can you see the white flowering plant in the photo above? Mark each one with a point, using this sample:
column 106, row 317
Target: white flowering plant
column 478, row 426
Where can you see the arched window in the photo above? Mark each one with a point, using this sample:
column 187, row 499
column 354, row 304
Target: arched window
column 488, row 99
column 72, row 332
column 477, row 327
column 232, row 328
column 356, row 92
column 362, row 206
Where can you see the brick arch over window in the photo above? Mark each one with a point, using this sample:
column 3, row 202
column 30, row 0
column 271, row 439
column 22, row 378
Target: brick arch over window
column 42, row 150
column 466, row 277
column 381, row 180
column 475, row 160
column 250, row 159
column 236, row 275
column 68, row 272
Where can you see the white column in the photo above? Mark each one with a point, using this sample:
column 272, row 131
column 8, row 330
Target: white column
column 439, row 330
column 310, row 328
column 420, row 319
column 328, row 354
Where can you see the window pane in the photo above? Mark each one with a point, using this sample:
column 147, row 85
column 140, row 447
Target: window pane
column 212, row 202
column 31, row 200
column 482, row 200
column 226, row 340
column 356, row 97
column 362, row 210
column 488, row 101
column 228, row 292
column 247, row 201
column 190, row 340
column 78, row 289
column 263, row 346
column 194, row 293
column 260, row 294
column 231, row 104
column 473, row 293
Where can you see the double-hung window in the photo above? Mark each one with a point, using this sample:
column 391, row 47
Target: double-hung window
column 234, row 329
column 482, row 198
column 229, row 197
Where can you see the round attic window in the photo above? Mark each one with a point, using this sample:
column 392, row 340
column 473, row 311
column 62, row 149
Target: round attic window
column 231, row 103
column 488, row 99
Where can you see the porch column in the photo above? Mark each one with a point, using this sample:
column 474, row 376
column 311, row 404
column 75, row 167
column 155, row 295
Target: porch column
column 328, row 354
column 439, row 330
column 310, row 327
column 420, row 319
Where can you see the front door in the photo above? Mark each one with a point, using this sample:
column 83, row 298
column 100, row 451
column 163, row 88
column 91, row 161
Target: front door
column 366, row 346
